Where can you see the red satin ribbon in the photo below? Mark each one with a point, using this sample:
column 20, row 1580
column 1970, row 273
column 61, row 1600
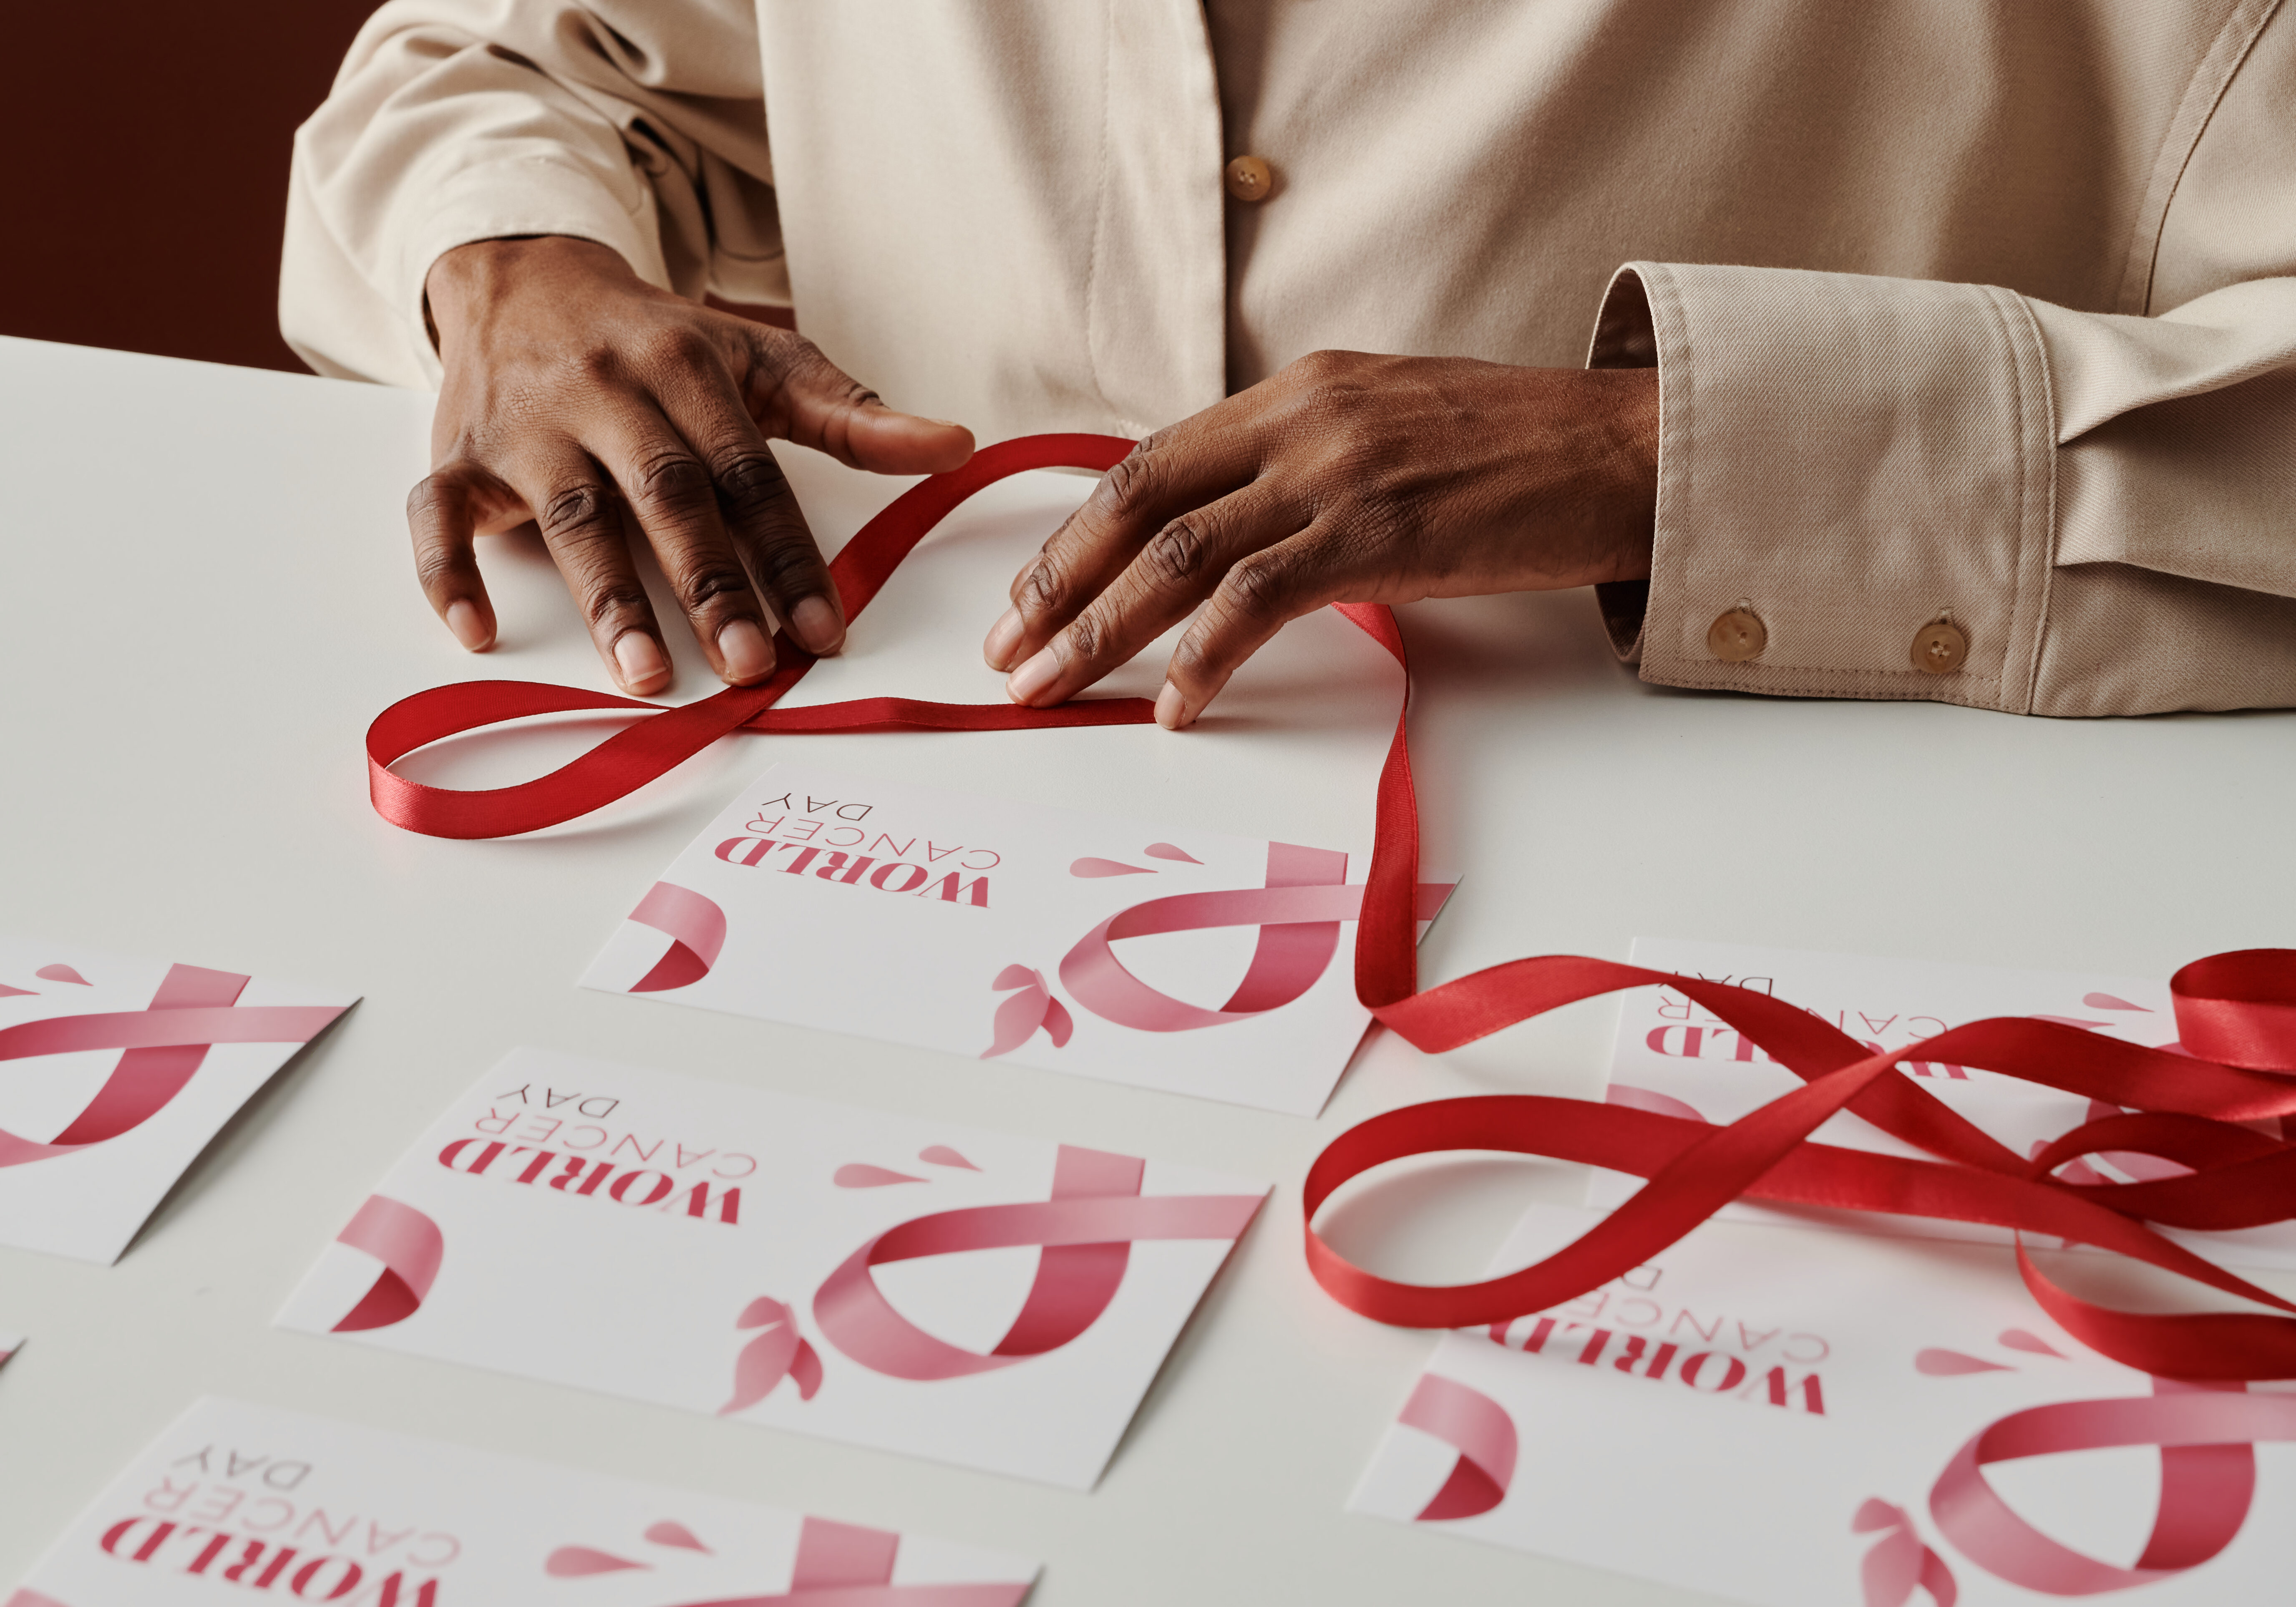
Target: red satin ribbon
column 2237, row 1013
column 658, row 744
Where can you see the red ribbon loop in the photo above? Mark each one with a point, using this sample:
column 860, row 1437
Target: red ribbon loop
column 668, row 737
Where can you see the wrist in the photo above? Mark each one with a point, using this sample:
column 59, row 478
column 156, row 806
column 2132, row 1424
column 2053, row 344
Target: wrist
column 465, row 282
column 1628, row 409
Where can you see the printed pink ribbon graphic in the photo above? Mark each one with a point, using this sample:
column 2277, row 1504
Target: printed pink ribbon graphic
column 696, row 928
column 164, row 1045
column 1085, row 1231
column 410, row 1247
column 1477, row 1426
column 1298, row 912
column 2205, row 1435
column 1900, row 1564
column 838, row 1565
column 778, row 1353
column 1019, row 1017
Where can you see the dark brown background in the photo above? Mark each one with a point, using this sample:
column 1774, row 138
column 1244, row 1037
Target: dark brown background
column 149, row 145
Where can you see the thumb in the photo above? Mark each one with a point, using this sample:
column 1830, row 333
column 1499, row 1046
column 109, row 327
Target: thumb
column 825, row 408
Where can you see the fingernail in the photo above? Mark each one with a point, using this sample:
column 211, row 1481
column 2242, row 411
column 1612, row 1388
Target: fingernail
column 1003, row 636
column 1024, row 683
column 1171, row 708
column 748, row 655
column 946, row 423
column 639, row 658
column 469, row 626
column 816, row 626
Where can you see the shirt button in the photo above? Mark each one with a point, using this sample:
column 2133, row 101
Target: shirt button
column 1250, row 178
column 1938, row 648
column 1737, row 636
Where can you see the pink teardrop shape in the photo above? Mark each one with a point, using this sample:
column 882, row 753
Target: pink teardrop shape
column 1952, row 1364
column 941, row 1154
column 1877, row 1514
column 1089, row 866
column 2105, row 1001
column 666, row 1533
column 2017, row 1339
column 578, row 1561
column 1165, row 850
column 7, row 992
column 860, row 1175
column 763, row 1312
column 1013, row 976
column 62, row 973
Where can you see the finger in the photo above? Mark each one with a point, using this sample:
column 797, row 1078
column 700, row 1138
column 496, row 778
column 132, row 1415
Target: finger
column 673, row 495
column 1173, row 572
column 808, row 399
column 767, row 527
column 443, row 515
column 1169, row 473
column 1257, row 597
column 579, row 514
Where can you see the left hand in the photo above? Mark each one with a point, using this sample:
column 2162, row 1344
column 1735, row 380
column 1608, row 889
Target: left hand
column 1345, row 478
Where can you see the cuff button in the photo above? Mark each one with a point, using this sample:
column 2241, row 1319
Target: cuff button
column 1737, row 636
column 1939, row 648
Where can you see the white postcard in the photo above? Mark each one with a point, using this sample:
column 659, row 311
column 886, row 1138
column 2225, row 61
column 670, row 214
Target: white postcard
column 998, row 1302
column 1674, row 1056
column 237, row 1502
column 115, row 1073
column 991, row 928
column 1822, row 1420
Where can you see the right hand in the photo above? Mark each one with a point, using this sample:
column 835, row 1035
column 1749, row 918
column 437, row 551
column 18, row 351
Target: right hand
column 584, row 400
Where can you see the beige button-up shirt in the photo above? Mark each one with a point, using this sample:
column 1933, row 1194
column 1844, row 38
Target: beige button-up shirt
column 1981, row 313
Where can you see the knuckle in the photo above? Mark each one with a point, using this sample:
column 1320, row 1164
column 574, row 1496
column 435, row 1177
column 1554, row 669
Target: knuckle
column 752, row 481
column 710, row 581
column 1179, row 553
column 613, row 598
column 575, row 512
column 786, row 559
column 1043, row 589
column 1087, row 636
column 435, row 566
column 676, row 346
column 1131, row 483
column 1260, row 587
column 433, row 499
column 669, row 479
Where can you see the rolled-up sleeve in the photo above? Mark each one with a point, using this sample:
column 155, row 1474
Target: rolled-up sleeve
column 456, row 120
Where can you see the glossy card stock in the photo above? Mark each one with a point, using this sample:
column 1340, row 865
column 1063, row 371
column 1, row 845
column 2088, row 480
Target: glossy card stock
column 115, row 1073
column 1674, row 1057
column 998, row 1302
column 245, row 1502
column 1175, row 959
column 1817, row 1420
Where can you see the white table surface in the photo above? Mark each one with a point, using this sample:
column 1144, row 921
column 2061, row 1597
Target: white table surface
column 206, row 596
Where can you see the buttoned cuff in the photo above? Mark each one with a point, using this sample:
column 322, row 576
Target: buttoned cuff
column 1850, row 462
column 536, row 195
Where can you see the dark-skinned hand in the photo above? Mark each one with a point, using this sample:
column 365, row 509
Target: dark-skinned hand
column 605, row 411
column 1345, row 478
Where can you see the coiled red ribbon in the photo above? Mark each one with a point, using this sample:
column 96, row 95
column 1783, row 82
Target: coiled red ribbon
column 2236, row 1011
